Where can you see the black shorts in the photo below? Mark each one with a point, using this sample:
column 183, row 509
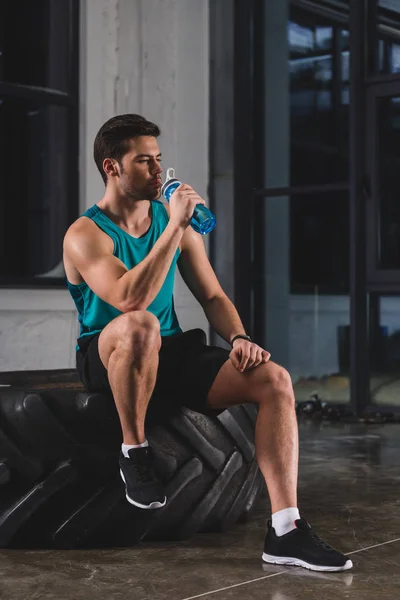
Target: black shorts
column 187, row 368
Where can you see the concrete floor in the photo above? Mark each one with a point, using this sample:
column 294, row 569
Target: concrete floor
column 349, row 490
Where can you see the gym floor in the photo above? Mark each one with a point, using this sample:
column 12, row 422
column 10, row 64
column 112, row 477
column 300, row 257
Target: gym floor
column 349, row 490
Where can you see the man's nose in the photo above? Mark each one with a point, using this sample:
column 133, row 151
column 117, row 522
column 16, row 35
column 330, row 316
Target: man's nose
column 157, row 168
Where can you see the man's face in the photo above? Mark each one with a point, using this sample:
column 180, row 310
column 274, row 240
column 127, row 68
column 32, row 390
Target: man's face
column 140, row 169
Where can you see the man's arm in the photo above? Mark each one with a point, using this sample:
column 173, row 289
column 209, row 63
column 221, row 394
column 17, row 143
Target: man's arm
column 91, row 252
column 200, row 278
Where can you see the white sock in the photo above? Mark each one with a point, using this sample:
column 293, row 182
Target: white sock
column 283, row 521
column 126, row 447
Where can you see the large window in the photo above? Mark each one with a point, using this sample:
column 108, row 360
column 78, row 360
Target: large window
column 323, row 109
column 301, row 221
column 38, row 137
column 318, row 138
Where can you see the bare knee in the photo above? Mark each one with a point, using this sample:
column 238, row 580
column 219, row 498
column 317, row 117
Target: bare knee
column 279, row 379
column 273, row 381
column 139, row 330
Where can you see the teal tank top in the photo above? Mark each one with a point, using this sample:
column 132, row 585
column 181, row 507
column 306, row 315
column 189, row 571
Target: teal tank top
column 93, row 313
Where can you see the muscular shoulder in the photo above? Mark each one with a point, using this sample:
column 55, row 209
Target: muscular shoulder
column 84, row 236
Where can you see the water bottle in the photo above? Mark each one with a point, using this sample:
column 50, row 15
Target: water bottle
column 202, row 221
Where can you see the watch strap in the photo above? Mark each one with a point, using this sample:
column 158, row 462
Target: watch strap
column 240, row 336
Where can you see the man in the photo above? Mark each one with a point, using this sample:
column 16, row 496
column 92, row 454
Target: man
column 120, row 259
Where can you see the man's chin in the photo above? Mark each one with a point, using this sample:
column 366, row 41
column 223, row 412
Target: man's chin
column 156, row 194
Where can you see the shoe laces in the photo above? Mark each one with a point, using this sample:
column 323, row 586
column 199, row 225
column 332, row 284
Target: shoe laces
column 144, row 472
column 143, row 468
column 318, row 541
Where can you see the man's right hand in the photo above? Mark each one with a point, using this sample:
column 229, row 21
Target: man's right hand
column 182, row 204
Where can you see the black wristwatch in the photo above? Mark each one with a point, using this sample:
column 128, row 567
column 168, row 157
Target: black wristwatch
column 240, row 336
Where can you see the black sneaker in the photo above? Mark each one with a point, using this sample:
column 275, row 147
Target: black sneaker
column 142, row 487
column 301, row 547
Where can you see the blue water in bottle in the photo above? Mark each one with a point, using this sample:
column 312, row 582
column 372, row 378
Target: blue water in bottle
column 203, row 221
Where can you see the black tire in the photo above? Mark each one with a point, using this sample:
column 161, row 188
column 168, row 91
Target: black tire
column 59, row 476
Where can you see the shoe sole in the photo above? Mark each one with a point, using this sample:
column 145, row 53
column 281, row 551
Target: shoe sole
column 151, row 506
column 296, row 562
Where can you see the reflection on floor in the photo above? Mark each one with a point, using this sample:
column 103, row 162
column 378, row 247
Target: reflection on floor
column 385, row 388
column 349, row 490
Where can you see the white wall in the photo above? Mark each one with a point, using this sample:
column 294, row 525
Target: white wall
column 37, row 330
column 143, row 56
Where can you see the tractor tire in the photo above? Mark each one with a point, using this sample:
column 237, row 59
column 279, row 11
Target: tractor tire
column 59, row 475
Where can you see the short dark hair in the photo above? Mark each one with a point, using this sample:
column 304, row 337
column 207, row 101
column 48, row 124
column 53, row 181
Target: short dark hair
column 112, row 139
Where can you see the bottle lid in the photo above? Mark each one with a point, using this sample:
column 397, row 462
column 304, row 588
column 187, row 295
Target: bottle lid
column 170, row 174
column 169, row 180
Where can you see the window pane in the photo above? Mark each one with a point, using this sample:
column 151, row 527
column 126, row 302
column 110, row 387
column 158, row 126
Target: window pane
column 384, row 339
column 34, row 38
column 388, row 158
column 35, row 188
column 306, row 83
column 306, row 330
column 319, row 242
column 384, row 52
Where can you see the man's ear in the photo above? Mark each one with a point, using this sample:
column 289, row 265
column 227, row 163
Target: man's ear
column 110, row 167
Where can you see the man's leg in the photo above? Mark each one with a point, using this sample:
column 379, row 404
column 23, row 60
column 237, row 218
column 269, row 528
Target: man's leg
column 128, row 348
column 270, row 386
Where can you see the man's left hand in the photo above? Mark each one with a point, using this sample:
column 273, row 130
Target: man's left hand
column 246, row 355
